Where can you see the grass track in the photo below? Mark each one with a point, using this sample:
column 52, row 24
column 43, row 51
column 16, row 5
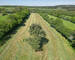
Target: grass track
column 56, row 49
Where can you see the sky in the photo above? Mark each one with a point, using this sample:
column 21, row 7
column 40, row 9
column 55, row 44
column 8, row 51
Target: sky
column 37, row 2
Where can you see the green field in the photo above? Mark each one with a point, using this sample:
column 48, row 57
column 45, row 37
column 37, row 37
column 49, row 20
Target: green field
column 66, row 23
column 69, row 24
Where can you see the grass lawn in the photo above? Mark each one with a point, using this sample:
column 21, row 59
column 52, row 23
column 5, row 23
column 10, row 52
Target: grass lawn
column 69, row 24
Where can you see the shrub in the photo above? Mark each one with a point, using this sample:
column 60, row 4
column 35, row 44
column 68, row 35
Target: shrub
column 38, row 37
column 34, row 42
column 73, row 39
column 37, row 30
column 73, row 43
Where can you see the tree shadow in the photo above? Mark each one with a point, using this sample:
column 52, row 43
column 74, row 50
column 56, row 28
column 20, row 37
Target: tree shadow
column 11, row 32
column 43, row 42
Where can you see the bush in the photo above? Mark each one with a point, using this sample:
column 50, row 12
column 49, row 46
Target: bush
column 73, row 39
column 38, row 37
column 73, row 43
column 37, row 30
column 34, row 42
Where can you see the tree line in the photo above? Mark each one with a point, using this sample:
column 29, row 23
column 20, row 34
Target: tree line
column 64, row 14
column 13, row 20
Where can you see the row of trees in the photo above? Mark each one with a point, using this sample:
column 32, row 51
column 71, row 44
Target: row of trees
column 10, row 10
column 64, row 14
column 58, row 12
column 12, row 21
column 57, row 23
column 5, row 11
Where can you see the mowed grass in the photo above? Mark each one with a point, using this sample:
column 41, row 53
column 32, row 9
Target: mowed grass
column 66, row 23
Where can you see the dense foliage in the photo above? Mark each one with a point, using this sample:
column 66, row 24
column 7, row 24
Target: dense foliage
column 12, row 21
column 38, row 37
column 36, row 30
column 73, row 41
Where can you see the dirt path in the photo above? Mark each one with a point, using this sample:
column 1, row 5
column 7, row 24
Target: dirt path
column 56, row 49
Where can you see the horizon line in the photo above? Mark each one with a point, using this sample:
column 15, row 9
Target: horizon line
column 37, row 5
